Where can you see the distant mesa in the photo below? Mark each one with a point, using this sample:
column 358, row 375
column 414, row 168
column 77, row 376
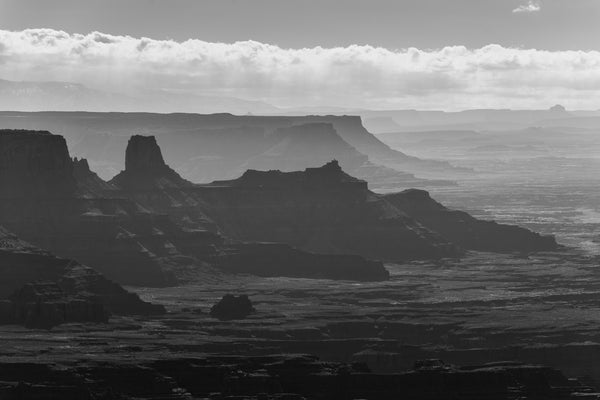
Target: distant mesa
column 558, row 109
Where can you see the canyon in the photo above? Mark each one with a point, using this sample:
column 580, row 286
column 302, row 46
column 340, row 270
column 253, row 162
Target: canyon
column 355, row 293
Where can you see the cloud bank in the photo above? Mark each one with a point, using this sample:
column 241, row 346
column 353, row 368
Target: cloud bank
column 530, row 7
column 355, row 76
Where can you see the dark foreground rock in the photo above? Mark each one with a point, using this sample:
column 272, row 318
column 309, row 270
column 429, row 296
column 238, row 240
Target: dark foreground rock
column 277, row 259
column 280, row 377
column 45, row 305
column 40, row 290
column 232, row 307
column 58, row 204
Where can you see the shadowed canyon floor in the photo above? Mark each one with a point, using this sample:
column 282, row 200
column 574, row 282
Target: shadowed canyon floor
column 541, row 309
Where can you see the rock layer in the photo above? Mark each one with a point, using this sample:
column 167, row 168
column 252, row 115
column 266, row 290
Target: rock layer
column 41, row 290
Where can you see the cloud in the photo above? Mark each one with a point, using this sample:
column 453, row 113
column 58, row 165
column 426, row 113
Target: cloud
column 530, row 7
column 356, row 76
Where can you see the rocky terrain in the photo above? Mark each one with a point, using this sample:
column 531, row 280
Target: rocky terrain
column 463, row 229
column 149, row 226
column 371, row 331
column 134, row 229
column 321, row 210
column 338, row 339
column 74, row 214
column 325, row 210
column 40, row 290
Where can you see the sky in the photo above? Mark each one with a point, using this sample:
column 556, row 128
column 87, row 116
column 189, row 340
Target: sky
column 427, row 54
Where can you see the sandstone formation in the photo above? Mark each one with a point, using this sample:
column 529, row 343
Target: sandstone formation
column 145, row 167
column 466, row 231
column 40, row 290
column 148, row 224
column 161, row 190
column 279, row 259
column 320, row 210
column 143, row 228
column 60, row 205
column 34, row 164
column 326, row 210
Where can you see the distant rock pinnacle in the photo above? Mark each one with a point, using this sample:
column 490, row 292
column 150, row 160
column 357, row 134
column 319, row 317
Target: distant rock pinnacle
column 143, row 153
column 145, row 167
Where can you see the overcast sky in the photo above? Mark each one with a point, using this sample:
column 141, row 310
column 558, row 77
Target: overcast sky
column 378, row 53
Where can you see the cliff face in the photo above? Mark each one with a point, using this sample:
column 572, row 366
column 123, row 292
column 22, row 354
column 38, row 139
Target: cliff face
column 187, row 205
column 322, row 210
column 306, row 145
column 145, row 227
column 148, row 223
column 60, row 205
column 34, row 163
column 465, row 230
column 148, row 181
column 325, row 210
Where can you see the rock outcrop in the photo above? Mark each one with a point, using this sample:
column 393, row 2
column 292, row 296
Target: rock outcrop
column 466, row 231
column 145, row 167
column 148, row 181
column 279, row 259
column 321, row 210
column 148, row 223
column 325, row 210
column 232, row 307
column 40, row 290
column 58, row 204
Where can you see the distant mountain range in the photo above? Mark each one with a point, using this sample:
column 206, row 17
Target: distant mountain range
column 67, row 96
